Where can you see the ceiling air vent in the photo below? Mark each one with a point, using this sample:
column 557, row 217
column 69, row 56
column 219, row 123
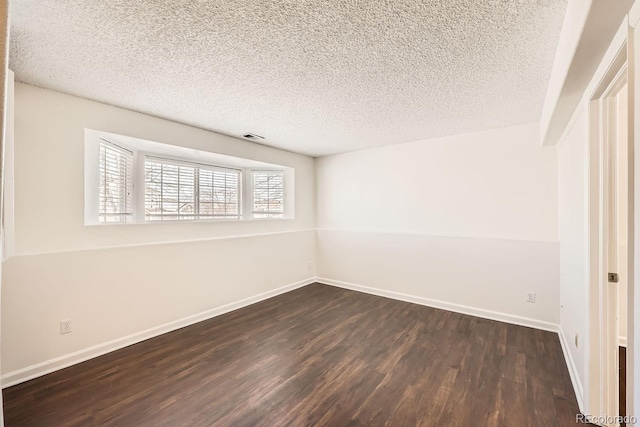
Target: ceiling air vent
column 253, row 136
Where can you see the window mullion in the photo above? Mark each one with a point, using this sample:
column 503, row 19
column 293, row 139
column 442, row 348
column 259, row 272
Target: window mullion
column 196, row 192
column 161, row 191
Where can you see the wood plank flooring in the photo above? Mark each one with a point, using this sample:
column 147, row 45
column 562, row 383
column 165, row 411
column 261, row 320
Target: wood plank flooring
column 318, row 355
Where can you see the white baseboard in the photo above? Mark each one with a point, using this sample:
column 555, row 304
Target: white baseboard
column 458, row 308
column 25, row 374
column 573, row 371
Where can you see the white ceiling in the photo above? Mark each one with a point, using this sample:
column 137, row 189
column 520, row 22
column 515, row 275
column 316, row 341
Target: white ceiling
column 315, row 77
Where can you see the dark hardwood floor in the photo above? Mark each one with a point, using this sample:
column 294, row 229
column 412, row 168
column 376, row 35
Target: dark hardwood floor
column 318, row 355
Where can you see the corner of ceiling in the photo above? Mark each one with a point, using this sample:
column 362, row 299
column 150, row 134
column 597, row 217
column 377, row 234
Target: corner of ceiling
column 572, row 28
column 587, row 31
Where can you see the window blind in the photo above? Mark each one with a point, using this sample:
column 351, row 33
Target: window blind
column 176, row 190
column 116, row 183
column 219, row 193
column 268, row 194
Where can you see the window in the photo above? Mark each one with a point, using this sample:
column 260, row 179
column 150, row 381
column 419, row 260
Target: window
column 219, row 193
column 177, row 190
column 268, row 194
column 115, row 182
column 130, row 180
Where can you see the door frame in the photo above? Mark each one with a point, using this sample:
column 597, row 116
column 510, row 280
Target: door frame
column 602, row 340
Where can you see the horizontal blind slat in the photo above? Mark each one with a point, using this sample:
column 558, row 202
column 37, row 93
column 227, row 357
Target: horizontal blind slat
column 116, row 183
column 268, row 194
column 179, row 190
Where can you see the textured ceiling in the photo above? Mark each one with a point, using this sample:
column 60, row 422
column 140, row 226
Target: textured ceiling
column 315, row 77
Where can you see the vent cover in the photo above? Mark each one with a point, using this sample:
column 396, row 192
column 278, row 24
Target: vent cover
column 252, row 136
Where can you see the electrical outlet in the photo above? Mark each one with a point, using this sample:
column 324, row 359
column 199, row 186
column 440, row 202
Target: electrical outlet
column 576, row 340
column 309, row 266
column 531, row 297
column 65, row 326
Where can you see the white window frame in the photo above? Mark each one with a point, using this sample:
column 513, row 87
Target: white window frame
column 180, row 154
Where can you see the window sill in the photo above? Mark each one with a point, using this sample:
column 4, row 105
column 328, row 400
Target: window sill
column 184, row 221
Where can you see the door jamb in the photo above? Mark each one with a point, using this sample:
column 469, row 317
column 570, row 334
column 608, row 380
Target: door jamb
column 599, row 308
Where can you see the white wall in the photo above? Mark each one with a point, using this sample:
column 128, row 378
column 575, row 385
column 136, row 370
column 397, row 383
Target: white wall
column 468, row 220
column 111, row 294
column 49, row 171
column 495, row 184
column 160, row 272
column 574, row 259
